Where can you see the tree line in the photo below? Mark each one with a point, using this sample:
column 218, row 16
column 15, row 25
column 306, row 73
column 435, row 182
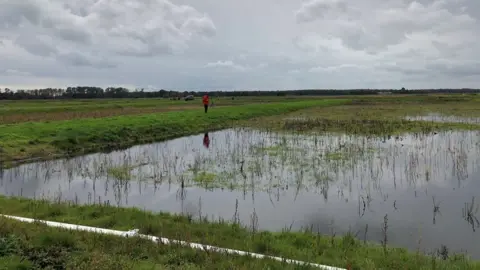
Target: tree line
column 91, row 92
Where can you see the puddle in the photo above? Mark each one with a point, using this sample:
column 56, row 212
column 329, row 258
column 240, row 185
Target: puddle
column 328, row 182
column 435, row 117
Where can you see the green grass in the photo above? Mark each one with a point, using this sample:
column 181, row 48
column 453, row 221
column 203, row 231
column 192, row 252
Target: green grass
column 33, row 106
column 19, row 111
column 47, row 139
column 72, row 248
column 41, row 106
column 35, row 246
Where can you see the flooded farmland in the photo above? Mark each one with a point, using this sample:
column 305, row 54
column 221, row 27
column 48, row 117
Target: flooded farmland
column 436, row 117
column 423, row 184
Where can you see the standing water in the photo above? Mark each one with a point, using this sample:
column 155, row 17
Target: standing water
column 425, row 184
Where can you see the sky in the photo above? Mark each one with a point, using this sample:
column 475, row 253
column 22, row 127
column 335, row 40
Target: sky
column 240, row 45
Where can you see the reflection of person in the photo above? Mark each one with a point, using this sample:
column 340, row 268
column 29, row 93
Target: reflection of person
column 206, row 140
column 205, row 102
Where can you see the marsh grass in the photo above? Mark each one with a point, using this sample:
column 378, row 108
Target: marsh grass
column 208, row 180
column 122, row 173
column 353, row 126
column 47, row 247
column 380, row 115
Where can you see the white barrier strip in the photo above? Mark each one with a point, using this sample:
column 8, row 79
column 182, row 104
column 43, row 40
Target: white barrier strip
column 167, row 241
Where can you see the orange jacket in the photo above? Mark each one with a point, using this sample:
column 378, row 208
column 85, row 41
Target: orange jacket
column 205, row 100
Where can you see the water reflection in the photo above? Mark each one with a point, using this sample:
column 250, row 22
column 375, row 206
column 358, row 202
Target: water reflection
column 206, row 140
column 327, row 182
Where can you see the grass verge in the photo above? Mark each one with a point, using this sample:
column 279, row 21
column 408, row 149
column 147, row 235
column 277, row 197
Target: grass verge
column 52, row 139
column 77, row 247
column 36, row 246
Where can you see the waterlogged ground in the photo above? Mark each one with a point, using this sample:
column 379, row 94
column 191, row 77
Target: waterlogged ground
column 425, row 185
column 437, row 117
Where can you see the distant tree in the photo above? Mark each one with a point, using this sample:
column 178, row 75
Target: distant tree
column 89, row 92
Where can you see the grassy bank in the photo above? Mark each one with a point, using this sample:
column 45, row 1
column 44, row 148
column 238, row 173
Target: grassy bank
column 73, row 247
column 47, row 139
column 35, row 246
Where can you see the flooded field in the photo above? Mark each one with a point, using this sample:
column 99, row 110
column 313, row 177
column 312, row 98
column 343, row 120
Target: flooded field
column 423, row 185
column 436, row 117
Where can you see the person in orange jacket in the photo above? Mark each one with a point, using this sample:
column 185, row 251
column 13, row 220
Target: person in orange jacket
column 205, row 102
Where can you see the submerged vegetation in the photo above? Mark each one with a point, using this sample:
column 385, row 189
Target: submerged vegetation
column 122, row 173
column 332, row 177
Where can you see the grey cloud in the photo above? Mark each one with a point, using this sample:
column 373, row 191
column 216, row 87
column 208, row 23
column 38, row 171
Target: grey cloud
column 434, row 68
column 228, row 64
column 346, row 44
column 36, row 44
column 73, row 34
column 151, row 28
column 81, row 60
column 351, row 67
column 455, row 70
column 15, row 72
column 13, row 13
column 145, row 28
column 314, row 9
column 366, row 27
column 404, row 69
column 16, row 13
column 472, row 8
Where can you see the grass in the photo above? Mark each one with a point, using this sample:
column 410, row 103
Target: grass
column 56, row 110
column 71, row 137
column 34, row 106
column 35, row 246
column 45, row 247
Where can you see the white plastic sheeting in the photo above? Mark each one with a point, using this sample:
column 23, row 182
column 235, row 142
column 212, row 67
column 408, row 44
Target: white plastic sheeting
column 167, row 241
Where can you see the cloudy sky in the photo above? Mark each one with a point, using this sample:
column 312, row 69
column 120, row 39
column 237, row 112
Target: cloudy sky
column 232, row 44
